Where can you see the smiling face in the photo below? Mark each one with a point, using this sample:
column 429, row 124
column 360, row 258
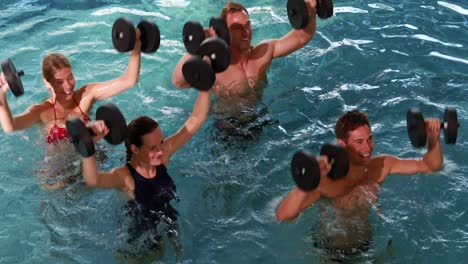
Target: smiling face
column 152, row 150
column 353, row 132
column 240, row 29
column 58, row 76
column 63, row 84
column 359, row 145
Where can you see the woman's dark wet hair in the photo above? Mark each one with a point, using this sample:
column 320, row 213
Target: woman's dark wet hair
column 349, row 121
column 136, row 129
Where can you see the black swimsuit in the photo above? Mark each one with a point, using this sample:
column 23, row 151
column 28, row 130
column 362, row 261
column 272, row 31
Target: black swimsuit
column 152, row 201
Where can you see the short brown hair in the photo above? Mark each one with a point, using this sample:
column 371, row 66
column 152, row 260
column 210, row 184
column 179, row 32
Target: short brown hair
column 232, row 7
column 350, row 121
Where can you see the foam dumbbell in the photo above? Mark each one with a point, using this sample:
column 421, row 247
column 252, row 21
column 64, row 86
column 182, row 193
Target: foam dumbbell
column 81, row 136
column 298, row 15
column 305, row 168
column 193, row 33
column 416, row 127
column 196, row 71
column 13, row 77
column 124, row 35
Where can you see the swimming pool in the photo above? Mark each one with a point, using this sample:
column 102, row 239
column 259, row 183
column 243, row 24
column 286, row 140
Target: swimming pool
column 380, row 56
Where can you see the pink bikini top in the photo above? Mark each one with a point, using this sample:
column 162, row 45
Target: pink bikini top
column 57, row 133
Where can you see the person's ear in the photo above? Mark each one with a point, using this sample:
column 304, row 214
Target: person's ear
column 48, row 85
column 341, row 142
column 134, row 149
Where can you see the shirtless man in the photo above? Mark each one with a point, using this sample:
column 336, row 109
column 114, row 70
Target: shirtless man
column 241, row 85
column 347, row 228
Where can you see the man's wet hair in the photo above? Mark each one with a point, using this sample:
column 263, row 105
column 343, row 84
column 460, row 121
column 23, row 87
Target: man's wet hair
column 349, row 121
column 232, row 7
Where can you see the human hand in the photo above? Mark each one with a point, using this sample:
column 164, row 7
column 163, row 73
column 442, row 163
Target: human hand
column 325, row 166
column 137, row 38
column 3, row 83
column 99, row 129
column 210, row 32
column 311, row 7
column 433, row 129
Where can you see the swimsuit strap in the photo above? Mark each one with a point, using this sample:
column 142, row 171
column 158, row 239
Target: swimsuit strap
column 78, row 107
column 83, row 113
column 86, row 118
column 55, row 114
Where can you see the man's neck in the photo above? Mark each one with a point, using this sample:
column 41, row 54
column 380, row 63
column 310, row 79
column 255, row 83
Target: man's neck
column 239, row 56
column 356, row 172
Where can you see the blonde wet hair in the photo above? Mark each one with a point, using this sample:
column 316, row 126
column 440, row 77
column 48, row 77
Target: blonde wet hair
column 53, row 62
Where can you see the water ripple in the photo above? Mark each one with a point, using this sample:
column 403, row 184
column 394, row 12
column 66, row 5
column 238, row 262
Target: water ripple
column 400, row 52
column 423, row 37
column 70, row 28
column 428, row 38
column 381, row 6
column 349, row 9
column 345, row 42
column 113, row 10
column 454, row 7
column 395, row 26
column 447, row 57
column 358, row 87
column 173, row 3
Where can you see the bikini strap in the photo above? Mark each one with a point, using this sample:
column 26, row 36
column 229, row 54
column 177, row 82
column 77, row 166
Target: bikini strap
column 79, row 107
column 85, row 116
column 55, row 114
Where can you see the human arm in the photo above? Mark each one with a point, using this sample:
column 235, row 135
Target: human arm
column 177, row 76
column 431, row 161
column 20, row 122
column 295, row 202
column 302, row 197
column 6, row 117
column 190, row 127
column 296, row 38
column 116, row 178
column 107, row 89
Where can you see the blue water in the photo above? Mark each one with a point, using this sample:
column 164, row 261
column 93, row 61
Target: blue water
column 380, row 56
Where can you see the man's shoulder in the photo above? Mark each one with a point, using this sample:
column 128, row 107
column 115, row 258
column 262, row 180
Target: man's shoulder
column 382, row 158
column 262, row 49
column 380, row 166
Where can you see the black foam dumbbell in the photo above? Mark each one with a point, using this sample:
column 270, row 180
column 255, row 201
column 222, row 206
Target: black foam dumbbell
column 298, row 15
column 13, row 77
column 81, row 136
column 196, row 71
column 416, row 126
column 124, row 35
column 193, row 33
column 305, row 168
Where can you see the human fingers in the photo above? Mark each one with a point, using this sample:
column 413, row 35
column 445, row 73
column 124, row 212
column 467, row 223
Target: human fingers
column 98, row 127
column 325, row 165
column 210, row 32
column 432, row 127
column 311, row 7
column 137, row 34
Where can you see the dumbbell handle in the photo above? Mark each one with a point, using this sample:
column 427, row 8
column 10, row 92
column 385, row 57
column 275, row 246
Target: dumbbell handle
column 91, row 132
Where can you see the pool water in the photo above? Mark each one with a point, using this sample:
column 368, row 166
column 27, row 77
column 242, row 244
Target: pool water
column 380, row 56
